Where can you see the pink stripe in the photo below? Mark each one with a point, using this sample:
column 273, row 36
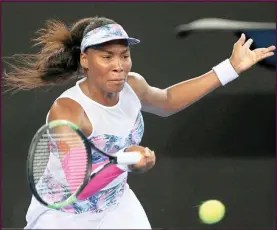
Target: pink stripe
column 74, row 165
column 100, row 180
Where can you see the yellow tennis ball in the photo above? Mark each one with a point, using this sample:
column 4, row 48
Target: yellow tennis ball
column 211, row 211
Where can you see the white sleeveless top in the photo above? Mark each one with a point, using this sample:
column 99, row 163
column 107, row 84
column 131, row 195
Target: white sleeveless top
column 114, row 128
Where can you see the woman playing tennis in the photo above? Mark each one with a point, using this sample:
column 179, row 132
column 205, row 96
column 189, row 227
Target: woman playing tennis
column 106, row 105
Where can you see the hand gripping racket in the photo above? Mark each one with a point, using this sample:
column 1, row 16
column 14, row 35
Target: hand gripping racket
column 59, row 163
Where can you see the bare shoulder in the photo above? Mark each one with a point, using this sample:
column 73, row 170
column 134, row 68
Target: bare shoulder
column 66, row 109
column 135, row 78
column 138, row 83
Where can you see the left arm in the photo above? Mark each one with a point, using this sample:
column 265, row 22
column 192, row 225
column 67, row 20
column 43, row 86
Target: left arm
column 164, row 102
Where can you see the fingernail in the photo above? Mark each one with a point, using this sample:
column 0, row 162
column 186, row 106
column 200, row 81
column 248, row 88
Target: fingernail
column 147, row 152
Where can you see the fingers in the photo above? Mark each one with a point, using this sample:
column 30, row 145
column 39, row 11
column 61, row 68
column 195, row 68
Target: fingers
column 266, row 55
column 270, row 48
column 260, row 50
column 264, row 50
column 147, row 152
column 263, row 53
column 241, row 40
column 147, row 161
column 150, row 158
column 248, row 43
column 145, row 157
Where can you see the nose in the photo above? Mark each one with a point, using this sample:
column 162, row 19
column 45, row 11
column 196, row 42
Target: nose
column 118, row 65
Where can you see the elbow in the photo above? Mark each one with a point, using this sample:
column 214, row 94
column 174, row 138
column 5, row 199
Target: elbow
column 166, row 112
column 167, row 108
column 164, row 115
column 171, row 110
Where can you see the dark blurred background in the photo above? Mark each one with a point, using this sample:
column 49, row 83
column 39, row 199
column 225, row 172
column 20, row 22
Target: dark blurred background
column 222, row 147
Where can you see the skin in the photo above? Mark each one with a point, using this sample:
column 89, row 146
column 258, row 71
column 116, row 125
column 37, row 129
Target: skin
column 108, row 68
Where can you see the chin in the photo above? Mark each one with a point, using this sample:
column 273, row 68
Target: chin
column 115, row 88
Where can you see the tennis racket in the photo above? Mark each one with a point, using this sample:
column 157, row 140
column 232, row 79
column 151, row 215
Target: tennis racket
column 59, row 163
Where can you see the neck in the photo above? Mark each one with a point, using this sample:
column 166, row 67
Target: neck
column 98, row 95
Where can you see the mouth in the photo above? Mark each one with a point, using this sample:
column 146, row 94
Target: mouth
column 118, row 80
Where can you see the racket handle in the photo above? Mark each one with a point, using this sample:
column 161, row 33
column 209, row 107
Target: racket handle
column 128, row 158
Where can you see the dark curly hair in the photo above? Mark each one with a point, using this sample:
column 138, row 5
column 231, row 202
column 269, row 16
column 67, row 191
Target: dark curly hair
column 59, row 58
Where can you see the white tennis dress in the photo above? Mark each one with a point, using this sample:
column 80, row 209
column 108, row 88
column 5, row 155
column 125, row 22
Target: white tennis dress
column 115, row 206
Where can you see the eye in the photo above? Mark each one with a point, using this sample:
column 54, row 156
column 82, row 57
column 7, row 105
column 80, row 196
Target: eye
column 107, row 57
column 126, row 56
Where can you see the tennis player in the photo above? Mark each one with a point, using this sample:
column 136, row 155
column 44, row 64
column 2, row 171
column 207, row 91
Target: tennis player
column 106, row 103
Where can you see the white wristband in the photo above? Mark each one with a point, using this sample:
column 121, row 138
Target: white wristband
column 123, row 167
column 225, row 72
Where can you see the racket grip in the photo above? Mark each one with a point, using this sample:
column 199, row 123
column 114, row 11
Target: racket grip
column 128, row 158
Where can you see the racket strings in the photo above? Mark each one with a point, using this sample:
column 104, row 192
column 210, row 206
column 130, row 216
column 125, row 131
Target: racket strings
column 59, row 165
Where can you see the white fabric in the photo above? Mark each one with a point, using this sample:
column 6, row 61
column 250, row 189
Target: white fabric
column 104, row 34
column 225, row 72
column 118, row 119
column 129, row 214
column 113, row 127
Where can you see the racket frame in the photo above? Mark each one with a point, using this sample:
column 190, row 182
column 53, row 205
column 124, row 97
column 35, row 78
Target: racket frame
column 30, row 158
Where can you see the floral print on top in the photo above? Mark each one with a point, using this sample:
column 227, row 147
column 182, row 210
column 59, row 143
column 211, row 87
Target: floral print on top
column 104, row 198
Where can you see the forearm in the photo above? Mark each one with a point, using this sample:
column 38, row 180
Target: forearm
column 175, row 98
column 182, row 95
column 164, row 102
